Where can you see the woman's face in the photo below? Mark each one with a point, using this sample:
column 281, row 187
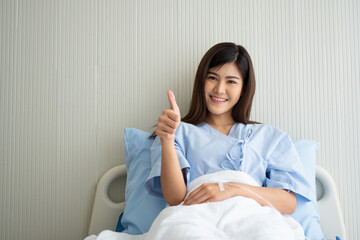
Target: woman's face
column 222, row 90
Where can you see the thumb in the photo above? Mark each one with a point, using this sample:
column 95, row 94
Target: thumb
column 172, row 101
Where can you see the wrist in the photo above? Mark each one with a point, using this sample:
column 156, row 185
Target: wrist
column 234, row 190
column 167, row 142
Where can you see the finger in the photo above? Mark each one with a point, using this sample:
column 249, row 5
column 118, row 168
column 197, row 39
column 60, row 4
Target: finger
column 202, row 199
column 170, row 123
column 163, row 134
column 166, row 120
column 165, row 128
column 194, row 192
column 195, row 195
column 172, row 101
column 189, row 199
column 172, row 115
column 199, row 199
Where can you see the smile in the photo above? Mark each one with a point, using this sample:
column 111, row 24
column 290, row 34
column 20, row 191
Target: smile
column 217, row 99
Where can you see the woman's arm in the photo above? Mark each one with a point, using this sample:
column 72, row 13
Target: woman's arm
column 171, row 178
column 282, row 200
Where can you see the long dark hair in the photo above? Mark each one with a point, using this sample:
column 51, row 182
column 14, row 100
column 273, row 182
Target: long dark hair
column 217, row 56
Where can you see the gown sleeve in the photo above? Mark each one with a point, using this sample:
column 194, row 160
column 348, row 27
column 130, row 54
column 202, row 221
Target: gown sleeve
column 285, row 169
column 152, row 184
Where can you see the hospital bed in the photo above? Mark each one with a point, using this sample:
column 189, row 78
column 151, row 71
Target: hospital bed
column 106, row 212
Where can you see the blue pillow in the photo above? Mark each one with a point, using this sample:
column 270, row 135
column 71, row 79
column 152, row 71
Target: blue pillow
column 141, row 208
column 306, row 212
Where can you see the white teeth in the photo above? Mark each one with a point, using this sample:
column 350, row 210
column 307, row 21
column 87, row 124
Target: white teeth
column 218, row 99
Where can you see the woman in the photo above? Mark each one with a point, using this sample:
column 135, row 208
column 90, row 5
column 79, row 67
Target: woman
column 220, row 109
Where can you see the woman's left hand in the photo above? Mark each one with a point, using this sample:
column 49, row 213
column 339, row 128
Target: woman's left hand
column 208, row 192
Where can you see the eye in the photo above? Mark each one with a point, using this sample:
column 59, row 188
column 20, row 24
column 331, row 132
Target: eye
column 231, row 81
column 212, row 78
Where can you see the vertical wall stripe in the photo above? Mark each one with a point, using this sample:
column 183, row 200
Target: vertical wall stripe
column 74, row 74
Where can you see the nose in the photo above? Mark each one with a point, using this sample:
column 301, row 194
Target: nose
column 220, row 87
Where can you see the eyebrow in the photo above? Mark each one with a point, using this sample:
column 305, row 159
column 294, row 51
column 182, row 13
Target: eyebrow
column 226, row 76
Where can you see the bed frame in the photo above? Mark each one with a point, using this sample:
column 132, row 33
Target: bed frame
column 106, row 212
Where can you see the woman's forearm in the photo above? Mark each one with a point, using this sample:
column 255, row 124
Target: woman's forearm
column 172, row 180
column 282, row 200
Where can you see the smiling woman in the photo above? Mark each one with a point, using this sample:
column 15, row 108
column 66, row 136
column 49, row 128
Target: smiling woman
column 213, row 61
column 222, row 97
column 223, row 88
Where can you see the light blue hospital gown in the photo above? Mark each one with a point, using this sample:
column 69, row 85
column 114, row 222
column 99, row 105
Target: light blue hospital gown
column 264, row 152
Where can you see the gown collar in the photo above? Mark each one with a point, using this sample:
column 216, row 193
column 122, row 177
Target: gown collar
column 218, row 133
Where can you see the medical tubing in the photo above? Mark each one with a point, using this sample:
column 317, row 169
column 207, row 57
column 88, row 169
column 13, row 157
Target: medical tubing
column 221, row 186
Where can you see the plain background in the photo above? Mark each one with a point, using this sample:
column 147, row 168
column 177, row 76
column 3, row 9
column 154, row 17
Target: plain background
column 75, row 73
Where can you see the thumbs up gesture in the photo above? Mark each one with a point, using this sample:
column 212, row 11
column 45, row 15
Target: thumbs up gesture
column 169, row 120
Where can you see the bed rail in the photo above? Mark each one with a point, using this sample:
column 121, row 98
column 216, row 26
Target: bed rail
column 106, row 212
column 331, row 217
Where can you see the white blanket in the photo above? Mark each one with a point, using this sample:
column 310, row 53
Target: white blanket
column 234, row 218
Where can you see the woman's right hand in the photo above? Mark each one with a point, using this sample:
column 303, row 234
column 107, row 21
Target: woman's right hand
column 169, row 120
column 171, row 178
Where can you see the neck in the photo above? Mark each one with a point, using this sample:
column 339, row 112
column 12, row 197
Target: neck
column 222, row 120
column 221, row 123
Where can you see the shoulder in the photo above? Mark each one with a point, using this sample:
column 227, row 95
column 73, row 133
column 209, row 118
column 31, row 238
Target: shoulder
column 261, row 127
column 265, row 138
column 259, row 131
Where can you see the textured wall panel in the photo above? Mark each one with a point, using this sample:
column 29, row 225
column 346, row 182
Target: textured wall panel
column 74, row 74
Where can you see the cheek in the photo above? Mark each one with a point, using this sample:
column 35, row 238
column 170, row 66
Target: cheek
column 208, row 87
column 236, row 93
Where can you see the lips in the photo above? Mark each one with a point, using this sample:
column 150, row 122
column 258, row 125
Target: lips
column 218, row 99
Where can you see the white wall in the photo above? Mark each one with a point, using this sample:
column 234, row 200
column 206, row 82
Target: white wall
column 74, row 74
